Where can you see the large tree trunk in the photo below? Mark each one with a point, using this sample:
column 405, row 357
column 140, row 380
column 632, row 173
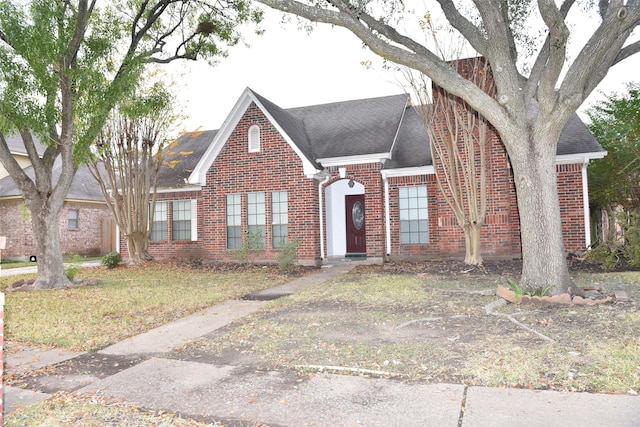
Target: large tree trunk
column 543, row 253
column 46, row 231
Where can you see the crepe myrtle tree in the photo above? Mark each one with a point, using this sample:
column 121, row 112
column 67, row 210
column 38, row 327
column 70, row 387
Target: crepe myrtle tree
column 127, row 156
column 64, row 64
column 532, row 104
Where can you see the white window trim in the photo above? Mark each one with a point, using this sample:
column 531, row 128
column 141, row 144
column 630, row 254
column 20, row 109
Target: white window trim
column 253, row 141
column 194, row 220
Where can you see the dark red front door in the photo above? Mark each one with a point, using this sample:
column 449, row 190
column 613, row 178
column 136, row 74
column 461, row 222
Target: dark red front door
column 356, row 242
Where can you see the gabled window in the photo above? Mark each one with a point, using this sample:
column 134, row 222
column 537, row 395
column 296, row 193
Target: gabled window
column 254, row 139
column 414, row 221
column 159, row 222
column 279, row 219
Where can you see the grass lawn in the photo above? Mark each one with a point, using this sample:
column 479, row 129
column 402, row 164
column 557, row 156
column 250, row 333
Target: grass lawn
column 126, row 302
column 410, row 325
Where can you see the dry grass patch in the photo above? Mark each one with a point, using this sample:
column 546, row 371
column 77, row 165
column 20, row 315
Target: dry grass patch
column 435, row 328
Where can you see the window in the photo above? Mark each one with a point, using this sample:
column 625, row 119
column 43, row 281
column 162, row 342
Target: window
column 234, row 222
column 73, row 218
column 159, row 222
column 256, row 214
column 279, row 219
column 414, row 222
column 254, row 139
column 181, row 220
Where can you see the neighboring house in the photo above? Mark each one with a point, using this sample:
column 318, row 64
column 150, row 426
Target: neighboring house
column 350, row 178
column 86, row 227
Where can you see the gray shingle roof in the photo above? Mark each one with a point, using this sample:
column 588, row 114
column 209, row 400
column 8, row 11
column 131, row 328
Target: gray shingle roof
column 83, row 186
column 352, row 128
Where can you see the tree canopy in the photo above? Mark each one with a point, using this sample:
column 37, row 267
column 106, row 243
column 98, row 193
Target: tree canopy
column 615, row 122
column 65, row 64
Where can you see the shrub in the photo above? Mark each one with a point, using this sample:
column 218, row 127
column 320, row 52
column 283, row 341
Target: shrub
column 288, row 255
column 111, row 260
column 252, row 246
column 72, row 268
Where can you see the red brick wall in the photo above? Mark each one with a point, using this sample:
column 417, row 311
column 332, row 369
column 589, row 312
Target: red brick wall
column 170, row 248
column 15, row 223
column 276, row 167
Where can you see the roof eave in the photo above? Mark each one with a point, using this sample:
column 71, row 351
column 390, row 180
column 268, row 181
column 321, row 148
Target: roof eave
column 567, row 159
column 355, row 160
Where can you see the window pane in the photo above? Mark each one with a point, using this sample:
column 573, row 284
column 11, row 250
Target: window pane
column 234, row 221
column 181, row 220
column 414, row 224
column 159, row 223
column 279, row 219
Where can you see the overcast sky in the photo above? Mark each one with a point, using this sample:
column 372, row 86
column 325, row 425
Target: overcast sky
column 293, row 69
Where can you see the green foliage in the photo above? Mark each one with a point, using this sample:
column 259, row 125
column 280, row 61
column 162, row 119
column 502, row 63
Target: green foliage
column 535, row 293
column 615, row 122
column 252, row 246
column 111, row 260
column 617, row 251
column 72, row 267
column 288, row 255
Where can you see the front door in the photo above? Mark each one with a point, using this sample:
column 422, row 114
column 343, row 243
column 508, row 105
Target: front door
column 356, row 242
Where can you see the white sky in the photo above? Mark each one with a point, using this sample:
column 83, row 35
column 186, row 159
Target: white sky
column 293, row 69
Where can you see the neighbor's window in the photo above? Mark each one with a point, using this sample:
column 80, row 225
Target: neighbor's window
column 254, row 139
column 256, row 214
column 234, row 222
column 73, row 218
column 159, row 222
column 414, row 221
column 181, row 220
column 279, row 218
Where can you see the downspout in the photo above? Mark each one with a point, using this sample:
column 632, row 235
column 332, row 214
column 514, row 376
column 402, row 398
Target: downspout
column 387, row 220
column 585, row 205
column 321, row 215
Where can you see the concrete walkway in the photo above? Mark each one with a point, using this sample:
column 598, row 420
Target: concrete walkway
column 239, row 395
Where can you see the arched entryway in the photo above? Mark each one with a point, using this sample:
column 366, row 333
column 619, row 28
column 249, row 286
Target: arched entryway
column 345, row 218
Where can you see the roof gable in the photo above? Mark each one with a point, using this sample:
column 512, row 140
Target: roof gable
column 278, row 118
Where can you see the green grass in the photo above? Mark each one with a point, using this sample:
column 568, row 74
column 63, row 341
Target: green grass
column 127, row 301
column 9, row 263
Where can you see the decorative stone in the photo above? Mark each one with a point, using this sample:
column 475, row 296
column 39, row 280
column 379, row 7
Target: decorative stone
column 621, row 296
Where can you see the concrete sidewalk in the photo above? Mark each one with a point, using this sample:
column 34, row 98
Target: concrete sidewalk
column 34, row 269
column 238, row 395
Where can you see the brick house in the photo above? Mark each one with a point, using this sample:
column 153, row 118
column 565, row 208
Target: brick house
column 350, row 178
column 86, row 225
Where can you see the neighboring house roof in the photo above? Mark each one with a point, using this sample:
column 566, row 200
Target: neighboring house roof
column 83, row 186
column 16, row 146
column 386, row 128
column 181, row 157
